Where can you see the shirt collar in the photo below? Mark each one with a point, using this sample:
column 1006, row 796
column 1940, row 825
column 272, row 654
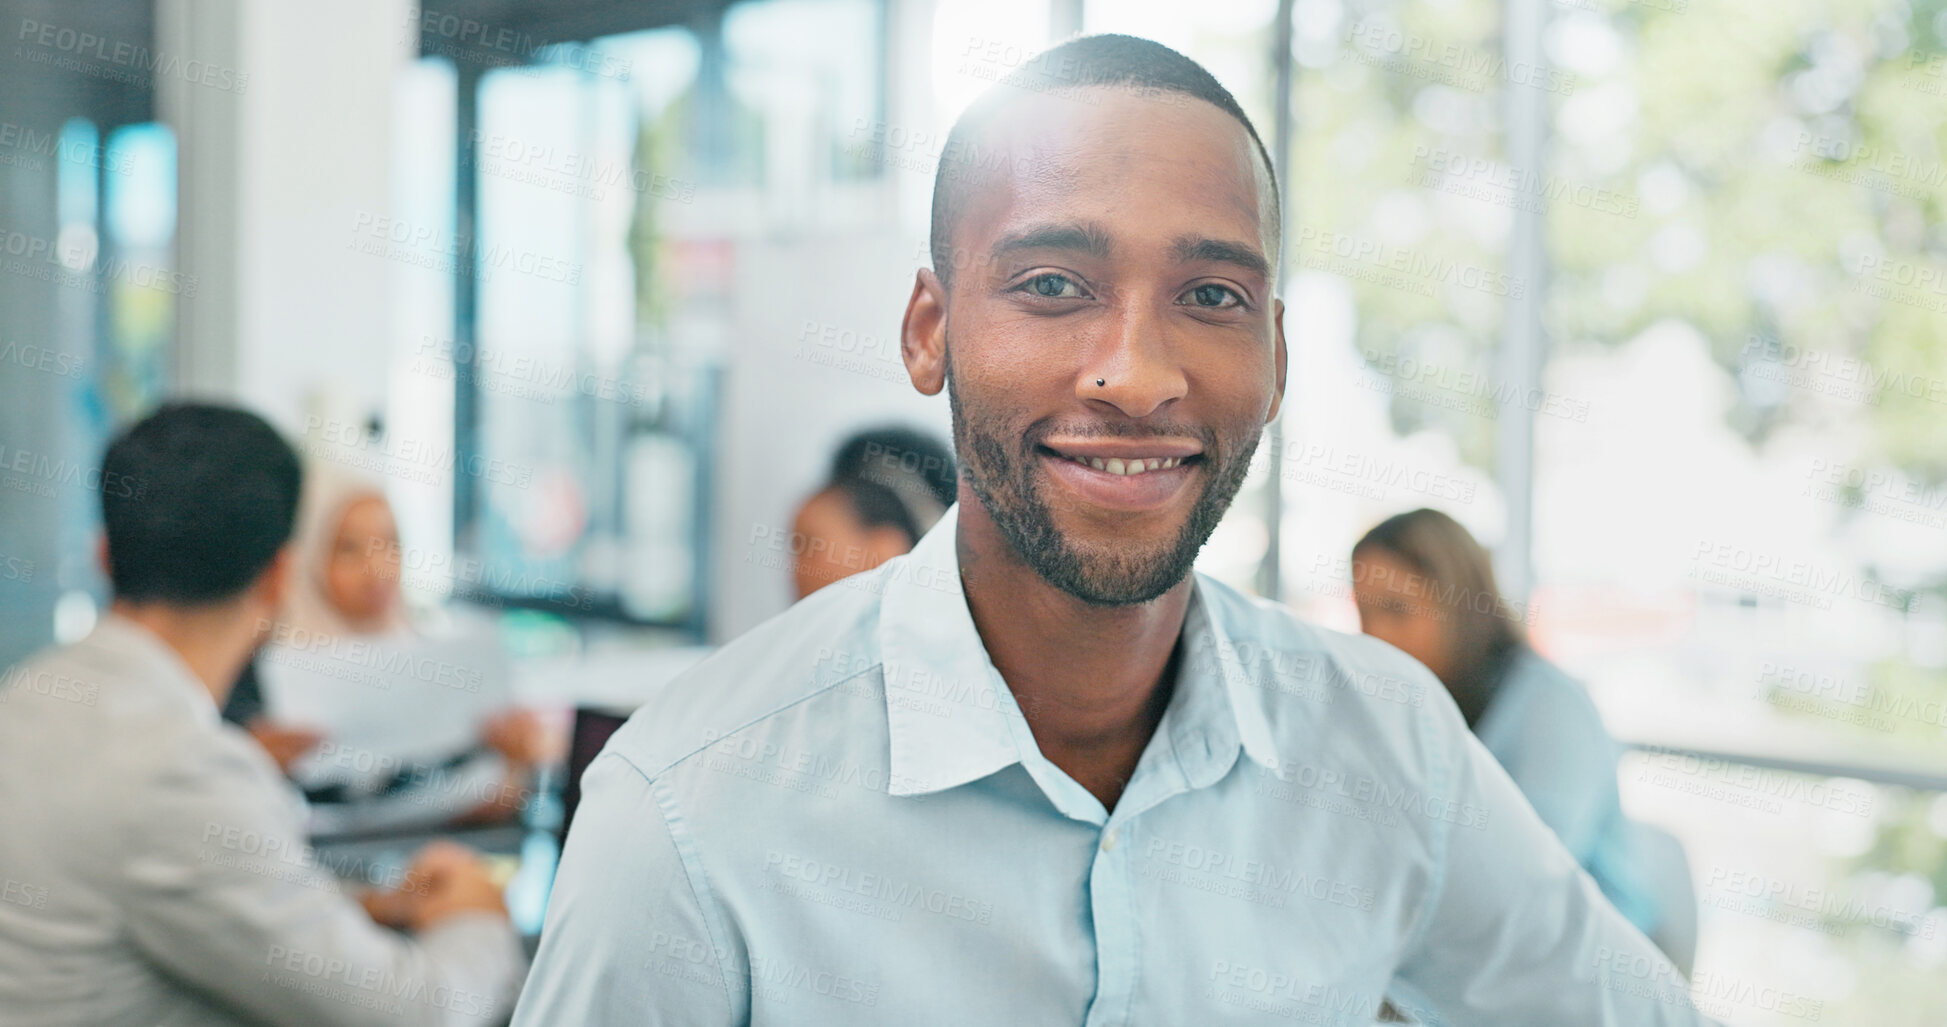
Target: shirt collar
column 948, row 709
column 132, row 649
column 946, row 705
column 1218, row 707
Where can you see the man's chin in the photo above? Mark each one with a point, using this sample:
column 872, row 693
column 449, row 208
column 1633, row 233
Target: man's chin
column 1117, row 594
column 1120, row 575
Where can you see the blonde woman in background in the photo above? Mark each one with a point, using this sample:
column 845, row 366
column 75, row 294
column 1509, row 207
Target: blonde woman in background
column 347, row 588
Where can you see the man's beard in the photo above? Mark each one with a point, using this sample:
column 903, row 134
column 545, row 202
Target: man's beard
column 1004, row 481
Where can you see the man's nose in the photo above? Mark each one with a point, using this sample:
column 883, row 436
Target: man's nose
column 1135, row 367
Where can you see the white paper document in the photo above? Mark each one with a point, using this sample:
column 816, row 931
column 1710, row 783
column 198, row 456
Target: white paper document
column 392, row 698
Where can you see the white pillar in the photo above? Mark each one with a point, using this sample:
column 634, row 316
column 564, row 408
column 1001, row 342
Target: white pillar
column 208, row 124
column 279, row 178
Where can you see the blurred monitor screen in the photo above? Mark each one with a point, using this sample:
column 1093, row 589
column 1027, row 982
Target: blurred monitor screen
column 591, row 731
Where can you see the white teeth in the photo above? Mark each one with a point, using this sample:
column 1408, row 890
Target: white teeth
column 1120, row 466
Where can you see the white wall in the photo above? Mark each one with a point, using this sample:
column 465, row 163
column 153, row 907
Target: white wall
column 816, row 357
column 287, row 318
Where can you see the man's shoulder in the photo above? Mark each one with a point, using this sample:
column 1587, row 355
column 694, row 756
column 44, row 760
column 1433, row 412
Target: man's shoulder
column 1272, row 636
column 1325, row 690
column 70, row 704
column 121, row 763
column 823, row 646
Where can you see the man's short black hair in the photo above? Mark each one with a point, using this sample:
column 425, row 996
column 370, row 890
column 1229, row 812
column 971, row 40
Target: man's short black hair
column 1103, row 60
column 213, row 496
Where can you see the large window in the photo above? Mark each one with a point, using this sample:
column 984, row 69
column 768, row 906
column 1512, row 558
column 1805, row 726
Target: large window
column 1399, row 281
column 615, row 185
column 1739, row 496
column 91, row 289
column 1740, row 547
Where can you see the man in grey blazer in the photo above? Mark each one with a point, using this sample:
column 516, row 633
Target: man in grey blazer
column 153, row 863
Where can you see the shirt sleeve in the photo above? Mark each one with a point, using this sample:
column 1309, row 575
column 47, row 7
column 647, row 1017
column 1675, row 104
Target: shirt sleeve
column 1519, row 935
column 221, row 889
column 628, row 938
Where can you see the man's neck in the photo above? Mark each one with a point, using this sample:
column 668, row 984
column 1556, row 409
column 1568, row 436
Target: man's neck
column 214, row 642
column 1092, row 681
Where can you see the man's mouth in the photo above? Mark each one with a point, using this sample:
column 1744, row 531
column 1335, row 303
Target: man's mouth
column 1126, row 465
column 1127, row 456
column 1123, row 474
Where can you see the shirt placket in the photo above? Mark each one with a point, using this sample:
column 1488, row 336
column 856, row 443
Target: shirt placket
column 1112, row 905
column 1117, row 941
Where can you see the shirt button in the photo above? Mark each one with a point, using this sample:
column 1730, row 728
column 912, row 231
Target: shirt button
column 1108, row 840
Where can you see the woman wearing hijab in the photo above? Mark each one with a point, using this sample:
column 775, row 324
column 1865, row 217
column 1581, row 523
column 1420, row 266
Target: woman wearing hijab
column 1425, row 585
column 347, row 588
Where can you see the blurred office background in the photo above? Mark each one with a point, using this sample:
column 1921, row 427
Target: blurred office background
column 1649, row 294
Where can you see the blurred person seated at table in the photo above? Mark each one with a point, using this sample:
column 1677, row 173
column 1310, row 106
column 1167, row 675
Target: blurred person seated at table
column 161, row 856
column 346, row 587
column 887, row 487
column 1425, row 585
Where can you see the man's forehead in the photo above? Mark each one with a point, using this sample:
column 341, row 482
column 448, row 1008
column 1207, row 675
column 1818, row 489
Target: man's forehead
column 1135, row 163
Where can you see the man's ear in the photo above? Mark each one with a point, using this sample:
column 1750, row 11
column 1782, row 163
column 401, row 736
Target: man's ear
column 1277, row 332
column 922, row 335
column 101, row 557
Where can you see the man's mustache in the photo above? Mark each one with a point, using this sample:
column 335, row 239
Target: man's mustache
column 1039, row 432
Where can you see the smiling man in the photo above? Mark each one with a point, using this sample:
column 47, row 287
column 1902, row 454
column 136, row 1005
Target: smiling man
column 1038, row 771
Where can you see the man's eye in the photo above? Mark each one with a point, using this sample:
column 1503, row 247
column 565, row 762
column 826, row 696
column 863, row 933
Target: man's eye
column 1214, row 296
column 1053, row 286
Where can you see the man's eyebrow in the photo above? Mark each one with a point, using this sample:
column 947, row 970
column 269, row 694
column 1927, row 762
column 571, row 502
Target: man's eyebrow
column 1191, row 248
column 1079, row 237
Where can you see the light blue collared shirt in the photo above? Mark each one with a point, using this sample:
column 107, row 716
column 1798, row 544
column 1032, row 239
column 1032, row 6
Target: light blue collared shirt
column 842, row 819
